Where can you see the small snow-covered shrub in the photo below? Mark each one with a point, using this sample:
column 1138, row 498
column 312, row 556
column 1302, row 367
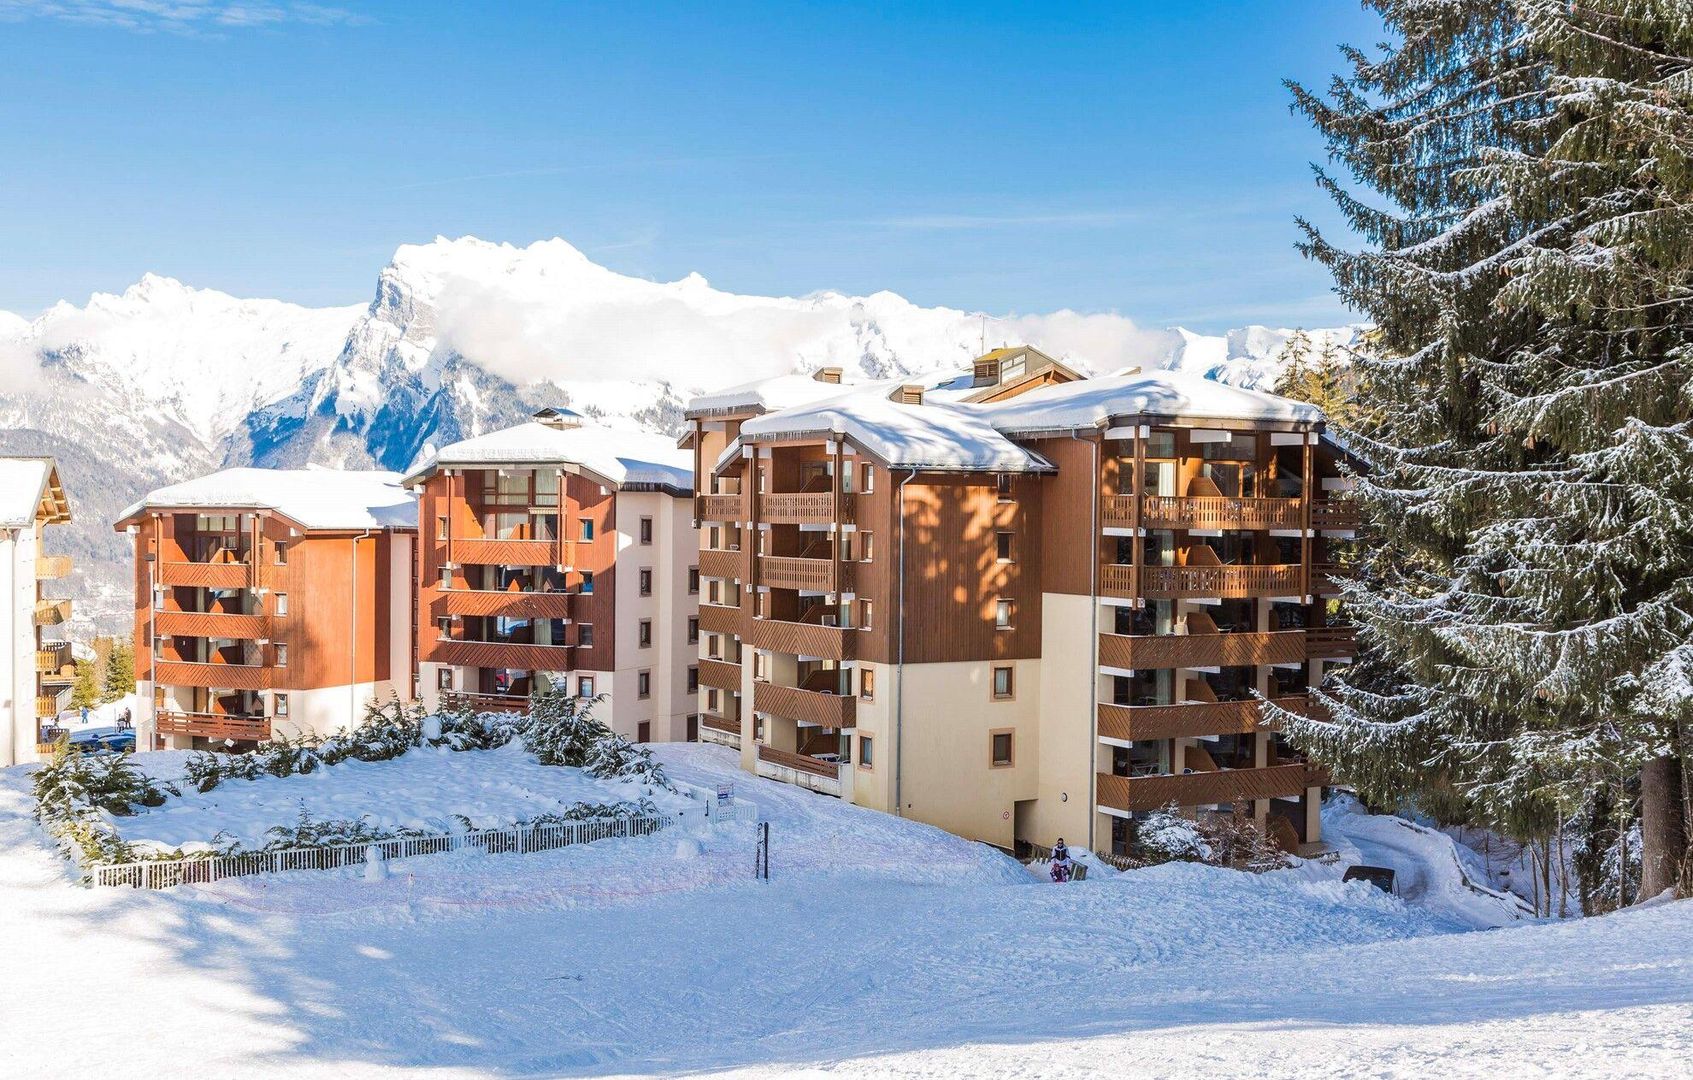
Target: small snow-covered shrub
column 461, row 728
column 562, row 730
column 1165, row 836
column 1233, row 840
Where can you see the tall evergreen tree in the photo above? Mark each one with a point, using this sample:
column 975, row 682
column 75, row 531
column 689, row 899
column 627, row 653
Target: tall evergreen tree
column 1525, row 601
column 85, row 693
column 120, row 672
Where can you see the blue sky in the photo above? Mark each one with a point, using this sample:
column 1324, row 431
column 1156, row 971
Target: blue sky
column 1128, row 157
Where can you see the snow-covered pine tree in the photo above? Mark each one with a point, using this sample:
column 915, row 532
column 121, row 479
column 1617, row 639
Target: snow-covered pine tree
column 85, row 692
column 1526, row 609
column 120, row 672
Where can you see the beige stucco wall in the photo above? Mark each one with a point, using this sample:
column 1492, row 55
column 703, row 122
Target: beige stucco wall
column 674, row 549
column 1069, row 751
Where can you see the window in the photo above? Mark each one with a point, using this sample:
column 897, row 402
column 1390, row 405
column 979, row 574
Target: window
column 1004, row 683
column 282, row 553
column 644, row 731
column 446, row 577
column 444, row 678
column 441, row 527
column 866, row 611
column 866, row 752
column 643, row 685
column 587, row 582
column 714, row 646
column 866, row 546
column 585, row 686
column 693, row 727
column 693, row 630
column 693, row 678
column 444, row 627
column 867, row 683
column 693, row 580
column 713, row 701
column 1002, row 546
column 1003, row 610
column 760, row 666
column 999, row 749
column 644, row 633
column 546, row 487
column 714, row 592
column 1002, row 486
column 281, row 653
column 585, row 635
column 646, row 530
column 869, row 478
column 586, row 526
column 281, row 603
column 281, row 708
column 646, row 581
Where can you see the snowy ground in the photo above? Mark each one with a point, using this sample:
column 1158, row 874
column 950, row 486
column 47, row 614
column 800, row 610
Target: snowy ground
column 880, row 948
column 426, row 789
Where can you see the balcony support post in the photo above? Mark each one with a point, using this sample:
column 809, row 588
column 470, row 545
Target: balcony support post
column 1305, row 524
column 1138, row 540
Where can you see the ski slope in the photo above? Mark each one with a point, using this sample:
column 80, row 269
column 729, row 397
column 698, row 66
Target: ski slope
column 880, row 948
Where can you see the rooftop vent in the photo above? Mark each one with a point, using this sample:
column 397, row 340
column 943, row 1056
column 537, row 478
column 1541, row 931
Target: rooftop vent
column 559, row 418
column 827, row 374
column 909, row 394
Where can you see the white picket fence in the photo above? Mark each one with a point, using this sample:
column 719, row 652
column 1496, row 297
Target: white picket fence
column 517, row 840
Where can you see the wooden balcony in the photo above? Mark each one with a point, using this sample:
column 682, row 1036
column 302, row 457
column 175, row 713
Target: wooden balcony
column 801, row 639
column 720, row 723
column 1201, row 650
column 1132, row 723
column 214, row 726
column 56, row 659
column 211, row 624
column 723, row 508
column 1331, row 642
column 829, row 770
column 810, row 575
column 221, row 676
column 52, row 703
column 1205, row 788
column 1326, row 578
column 804, row 508
column 718, row 619
column 1335, row 516
column 499, row 654
column 810, row 706
column 207, row 575
column 716, row 563
column 1204, row 512
column 721, row 674
column 504, row 603
column 52, row 567
column 1227, row 582
column 458, row 699
column 52, row 612
column 479, row 552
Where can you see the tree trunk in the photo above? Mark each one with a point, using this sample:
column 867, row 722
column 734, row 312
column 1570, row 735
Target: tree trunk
column 1663, row 833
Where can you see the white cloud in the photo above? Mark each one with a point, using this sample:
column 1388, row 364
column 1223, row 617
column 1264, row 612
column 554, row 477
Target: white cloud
column 178, row 16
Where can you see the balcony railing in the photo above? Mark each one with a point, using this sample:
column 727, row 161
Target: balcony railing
column 1205, row 788
column 52, row 612
column 1204, row 512
column 1326, row 577
column 803, row 508
column 207, row 575
column 722, row 508
column 1131, row 723
column 211, row 624
column 811, row 575
column 802, row 639
column 459, row 699
column 503, row 603
column 720, row 723
column 51, row 567
column 717, row 563
column 56, row 659
column 1172, row 582
column 1331, row 642
column 829, row 770
column 810, row 706
column 500, row 654
column 53, row 702
column 214, row 725
column 1337, row 516
column 719, row 619
column 1201, row 650
column 219, row 675
column 720, row 674
column 483, row 552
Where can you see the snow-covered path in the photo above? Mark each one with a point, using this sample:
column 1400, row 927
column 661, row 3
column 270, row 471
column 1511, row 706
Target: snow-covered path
column 880, row 948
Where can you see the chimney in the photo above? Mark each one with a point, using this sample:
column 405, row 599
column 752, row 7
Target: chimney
column 827, row 374
column 909, row 394
column 559, row 418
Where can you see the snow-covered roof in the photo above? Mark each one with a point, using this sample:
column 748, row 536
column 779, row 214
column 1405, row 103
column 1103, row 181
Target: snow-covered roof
column 313, row 497
column 24, row 483
column 938, row 436
column 763, row 395
column 1088, row 403
column 613, row 455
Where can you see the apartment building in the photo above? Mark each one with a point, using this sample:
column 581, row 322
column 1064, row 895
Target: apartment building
column 270, row 603
column 1016, row 603
column 36, row 667
column 561, row 555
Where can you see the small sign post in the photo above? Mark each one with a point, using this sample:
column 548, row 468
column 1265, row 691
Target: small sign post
column 761, row 859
